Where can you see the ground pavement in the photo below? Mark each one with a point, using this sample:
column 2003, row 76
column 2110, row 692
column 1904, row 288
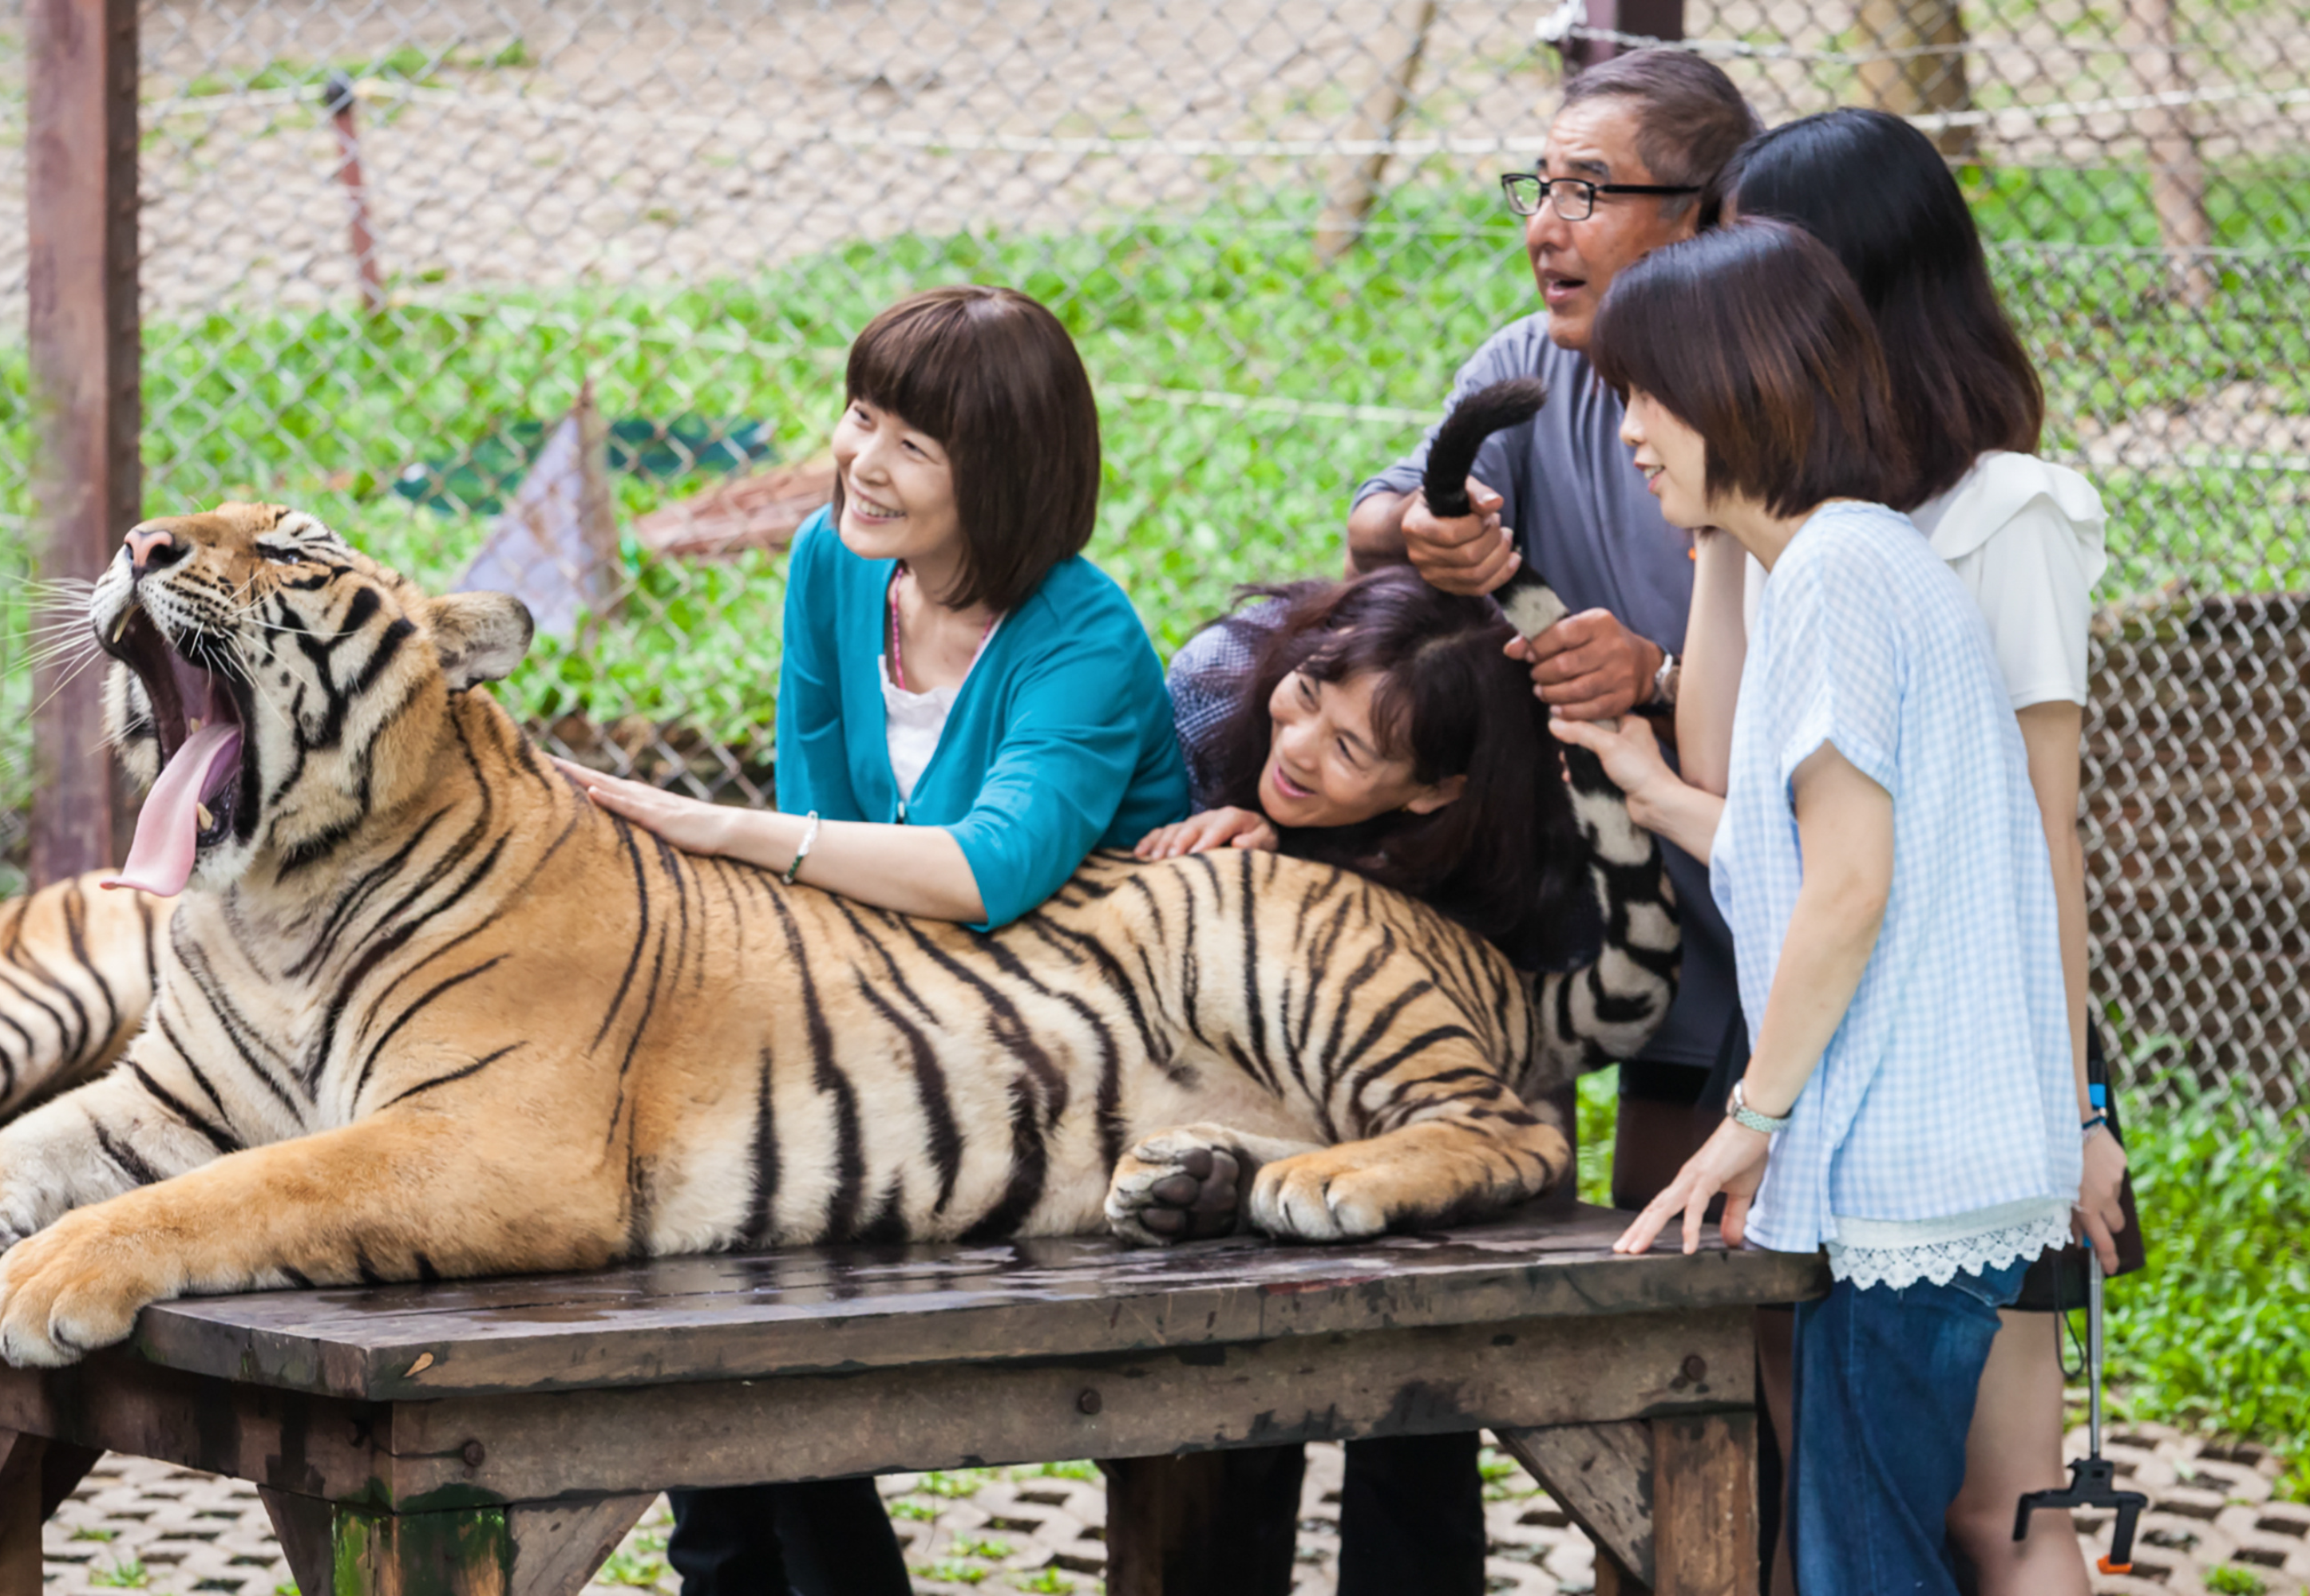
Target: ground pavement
column 134, row 1525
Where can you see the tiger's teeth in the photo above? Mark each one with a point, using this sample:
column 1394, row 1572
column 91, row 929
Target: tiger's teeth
column 120, row 627
column 192, row 725
column 207, row 820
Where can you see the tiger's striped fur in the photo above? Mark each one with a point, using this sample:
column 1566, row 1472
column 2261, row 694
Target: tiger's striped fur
column 77, row 967
column 426, row 1011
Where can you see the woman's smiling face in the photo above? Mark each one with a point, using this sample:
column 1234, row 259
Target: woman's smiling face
column 1673, row 457
column 1325, row 764
column 898, row 488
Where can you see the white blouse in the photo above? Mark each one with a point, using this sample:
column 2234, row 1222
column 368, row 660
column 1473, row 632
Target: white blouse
column 2025, row 538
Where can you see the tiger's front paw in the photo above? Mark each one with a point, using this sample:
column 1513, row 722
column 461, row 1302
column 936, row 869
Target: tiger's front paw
column 1179, row 1186
column 1319, row 1196
column 74, row 1287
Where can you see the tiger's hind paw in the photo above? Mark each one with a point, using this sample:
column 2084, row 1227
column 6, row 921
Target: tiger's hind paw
column 1180, row 1185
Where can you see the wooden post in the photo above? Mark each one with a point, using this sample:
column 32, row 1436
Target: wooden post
column 1356, row 184
column 1160, row 1512
column 1924, row 71
column 81, row 215
column 1644, row 19
column 2177, row 177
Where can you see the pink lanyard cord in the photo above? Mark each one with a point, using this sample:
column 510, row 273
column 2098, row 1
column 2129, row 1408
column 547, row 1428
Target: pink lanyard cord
column 898, row 647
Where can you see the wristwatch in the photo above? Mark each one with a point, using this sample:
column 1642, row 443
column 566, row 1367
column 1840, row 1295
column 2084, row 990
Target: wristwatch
column 1737, row 1110
column 1665, row 682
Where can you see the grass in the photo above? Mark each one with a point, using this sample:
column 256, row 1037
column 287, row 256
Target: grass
column 2214, row 1333
column 327, row 409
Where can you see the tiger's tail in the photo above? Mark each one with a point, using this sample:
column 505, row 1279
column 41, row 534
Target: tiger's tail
column 1605, row 1011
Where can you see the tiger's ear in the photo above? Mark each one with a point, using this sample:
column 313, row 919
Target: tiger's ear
column 480, row 637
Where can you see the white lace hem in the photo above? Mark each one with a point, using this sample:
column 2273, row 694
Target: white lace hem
column 1942, row 1262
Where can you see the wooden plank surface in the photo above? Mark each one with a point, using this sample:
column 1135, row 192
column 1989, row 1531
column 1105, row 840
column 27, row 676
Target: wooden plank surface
column 804, row 1309
column 548, row 1446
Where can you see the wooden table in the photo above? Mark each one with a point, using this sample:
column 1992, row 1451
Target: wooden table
column 502, row 1435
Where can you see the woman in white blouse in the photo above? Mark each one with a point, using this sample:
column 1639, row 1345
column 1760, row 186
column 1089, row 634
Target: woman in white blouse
column 2026, row 539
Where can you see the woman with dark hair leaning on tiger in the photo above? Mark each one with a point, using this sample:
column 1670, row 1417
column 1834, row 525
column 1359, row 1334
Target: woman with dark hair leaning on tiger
column 1376, row 725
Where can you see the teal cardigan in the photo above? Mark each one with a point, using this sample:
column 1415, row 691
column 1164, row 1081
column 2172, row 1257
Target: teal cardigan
column 1060, row 742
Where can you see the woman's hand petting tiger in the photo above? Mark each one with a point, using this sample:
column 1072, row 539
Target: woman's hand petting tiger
column 422, row 1009
column 690, row 824
column 1222, row 827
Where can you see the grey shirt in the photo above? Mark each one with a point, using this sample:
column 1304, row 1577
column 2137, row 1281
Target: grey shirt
column 1580, row 509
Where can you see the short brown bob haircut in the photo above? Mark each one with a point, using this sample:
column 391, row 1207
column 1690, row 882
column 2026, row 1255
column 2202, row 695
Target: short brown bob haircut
column 993, row 377
column 1754, row 336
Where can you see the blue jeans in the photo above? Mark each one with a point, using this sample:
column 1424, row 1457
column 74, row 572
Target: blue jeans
column 1885, row 1386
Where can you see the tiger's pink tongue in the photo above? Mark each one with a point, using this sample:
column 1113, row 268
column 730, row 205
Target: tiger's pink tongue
column 160, row 859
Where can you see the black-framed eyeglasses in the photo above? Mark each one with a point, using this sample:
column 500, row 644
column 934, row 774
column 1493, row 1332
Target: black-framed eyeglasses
column 1575, row 197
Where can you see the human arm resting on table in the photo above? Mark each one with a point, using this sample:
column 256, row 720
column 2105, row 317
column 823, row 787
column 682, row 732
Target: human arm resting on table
column 909, row 870
column 1844, row 833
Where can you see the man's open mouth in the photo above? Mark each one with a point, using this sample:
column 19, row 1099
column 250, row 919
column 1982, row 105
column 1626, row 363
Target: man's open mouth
column 197, row 706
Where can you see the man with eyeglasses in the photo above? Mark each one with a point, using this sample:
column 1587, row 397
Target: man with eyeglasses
column 1636, row 139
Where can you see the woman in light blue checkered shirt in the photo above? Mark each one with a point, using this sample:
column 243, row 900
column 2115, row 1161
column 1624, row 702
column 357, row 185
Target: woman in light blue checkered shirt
column 1880, row 860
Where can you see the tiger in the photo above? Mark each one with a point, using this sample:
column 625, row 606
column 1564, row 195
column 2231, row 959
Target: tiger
column 422, row 1011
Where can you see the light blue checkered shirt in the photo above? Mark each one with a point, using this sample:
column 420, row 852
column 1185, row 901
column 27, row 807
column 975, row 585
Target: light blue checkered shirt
column 1944, row 1107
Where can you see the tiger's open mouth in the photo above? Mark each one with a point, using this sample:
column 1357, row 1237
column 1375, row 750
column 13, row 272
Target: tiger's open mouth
column 198, row 717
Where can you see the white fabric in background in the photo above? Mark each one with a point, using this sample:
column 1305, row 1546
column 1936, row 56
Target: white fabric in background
column 2025, row 538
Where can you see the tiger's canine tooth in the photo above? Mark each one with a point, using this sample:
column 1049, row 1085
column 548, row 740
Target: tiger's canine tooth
column 207, row 820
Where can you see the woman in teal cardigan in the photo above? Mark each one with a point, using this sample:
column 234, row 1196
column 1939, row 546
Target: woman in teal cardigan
column 967, row 708
column 1058, row 741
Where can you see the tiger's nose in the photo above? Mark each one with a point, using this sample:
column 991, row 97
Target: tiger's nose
column 153, row 550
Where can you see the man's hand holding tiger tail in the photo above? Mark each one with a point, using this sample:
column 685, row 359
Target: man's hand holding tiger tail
column 1465, row 554
column 1213, row 829
column 688, row 824
column 1589, row 666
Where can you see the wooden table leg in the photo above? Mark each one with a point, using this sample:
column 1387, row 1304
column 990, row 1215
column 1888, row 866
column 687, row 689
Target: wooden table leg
column 338, row 1551
column 1704, row 1506
column 1198, row 1524
column 20, row 1513
column 529, row 1549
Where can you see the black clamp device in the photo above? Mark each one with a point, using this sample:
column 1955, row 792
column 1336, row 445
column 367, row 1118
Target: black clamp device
column 2093, row 1478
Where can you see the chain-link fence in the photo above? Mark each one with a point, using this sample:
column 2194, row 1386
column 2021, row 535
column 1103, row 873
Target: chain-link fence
column 387, row 247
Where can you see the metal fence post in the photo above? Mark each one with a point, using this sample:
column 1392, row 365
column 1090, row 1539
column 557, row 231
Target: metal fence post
column 80, row 197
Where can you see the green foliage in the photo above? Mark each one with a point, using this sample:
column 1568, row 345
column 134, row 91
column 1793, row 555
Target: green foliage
column 979, row 1546
column 949, row 1572
column 2234, row 1581
column 130, row 1575
column 91, row 1533
column 960, row 1482
column 1080, row 1469
column 1599, row 1118
column 2216, row 1331
column 908, row 1507
column 1047, row 1581
column 643, row 1571
column 1331, row 365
